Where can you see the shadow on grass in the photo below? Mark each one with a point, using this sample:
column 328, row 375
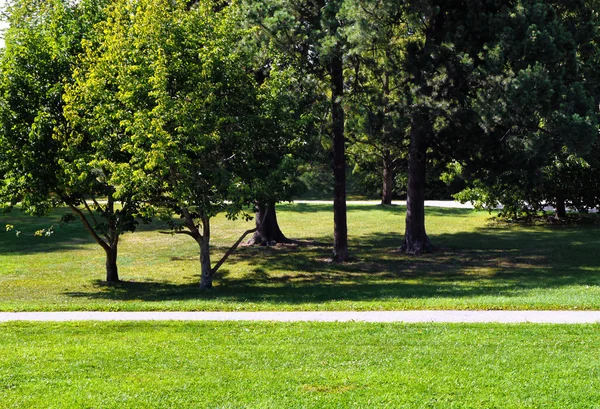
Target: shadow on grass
column 71, row 236
column 67, row 236
column 489, row 261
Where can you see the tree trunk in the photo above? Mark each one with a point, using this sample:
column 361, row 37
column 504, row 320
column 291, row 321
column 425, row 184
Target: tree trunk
column 206, row 277
column 340, row 227
column 267, row 232
column 112, row 272
column 415, row 237
column 388, row 179
column 110, row 246
column 561, row 208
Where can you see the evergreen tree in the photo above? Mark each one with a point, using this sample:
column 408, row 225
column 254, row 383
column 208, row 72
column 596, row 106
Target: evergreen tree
column 311, row 32
column 487, row 84
column 541, row 115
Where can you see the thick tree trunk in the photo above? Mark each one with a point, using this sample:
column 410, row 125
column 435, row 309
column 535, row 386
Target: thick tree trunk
column 206, row 277
column 561, row 208
column 388, row 179
column 415, row 237
column 112, row 272
column 267, row 232
column 340, row 227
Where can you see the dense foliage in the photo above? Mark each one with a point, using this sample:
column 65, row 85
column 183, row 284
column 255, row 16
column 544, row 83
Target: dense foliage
column 129, row 110
column 47, row 160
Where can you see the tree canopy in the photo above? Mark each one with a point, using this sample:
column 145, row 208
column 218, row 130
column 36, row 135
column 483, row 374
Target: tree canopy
column 130, row 110
column 46, row 160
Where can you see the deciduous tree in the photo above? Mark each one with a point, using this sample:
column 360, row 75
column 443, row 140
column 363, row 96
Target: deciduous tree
column 46, row 161
column 172, row 80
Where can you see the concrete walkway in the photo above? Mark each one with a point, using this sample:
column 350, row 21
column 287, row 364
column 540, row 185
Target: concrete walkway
column 548, row 317
column 428, row 203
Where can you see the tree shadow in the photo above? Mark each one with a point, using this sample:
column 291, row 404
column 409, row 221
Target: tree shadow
column 487, row 262
column 446, row 211
column 149, row 290
column 72, row 236
column 66, row 236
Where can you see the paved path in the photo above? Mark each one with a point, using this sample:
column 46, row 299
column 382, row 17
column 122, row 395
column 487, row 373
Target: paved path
column 430, row 203
column 554, row 317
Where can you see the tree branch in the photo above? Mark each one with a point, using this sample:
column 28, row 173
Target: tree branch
column 231, row 250
column 378, row 149
column 85, row 203
column 89, row 227
column 189, row 222
column 236, row 244
column 97, row 204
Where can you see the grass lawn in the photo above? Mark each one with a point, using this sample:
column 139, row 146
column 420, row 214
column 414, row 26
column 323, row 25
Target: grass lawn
column 298, row 365
column 477, row 266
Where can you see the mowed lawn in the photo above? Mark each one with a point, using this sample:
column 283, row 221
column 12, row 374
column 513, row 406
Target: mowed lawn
column 298, row 365
column 476, row 266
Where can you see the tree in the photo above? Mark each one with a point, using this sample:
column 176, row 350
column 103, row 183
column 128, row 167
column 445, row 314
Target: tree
column 443, row 67
column 171, row 81
column 46, row 161
column 542, row 116
column 310, row 31
column 477, row 72
column 378, row 108
column 284, row 120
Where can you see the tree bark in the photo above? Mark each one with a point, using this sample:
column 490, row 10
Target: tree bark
column 112, row 271
column 206, row 277
column 203, row 239
column 415, row 236
column 388, row 179
column 340, row 227
column 267, row 232
column 561, row 208
column 110, row 246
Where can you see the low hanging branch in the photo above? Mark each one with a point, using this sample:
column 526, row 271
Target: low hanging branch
column 231, row 250
column 236, row 244
column 227, row 253
column 89, row 227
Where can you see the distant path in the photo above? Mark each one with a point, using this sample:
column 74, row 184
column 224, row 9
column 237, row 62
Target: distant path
column 430, row 203
column 548, row 317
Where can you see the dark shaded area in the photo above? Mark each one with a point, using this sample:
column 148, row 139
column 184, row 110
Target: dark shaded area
column 71, row 236
column 291, row 274
column 68, row 236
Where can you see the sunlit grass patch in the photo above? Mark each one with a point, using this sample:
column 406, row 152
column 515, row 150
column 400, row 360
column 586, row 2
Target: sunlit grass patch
column 298, row 365
column 475, row 266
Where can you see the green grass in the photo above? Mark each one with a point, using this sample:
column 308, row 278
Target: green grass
column 298, row 365
column 477, row 266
